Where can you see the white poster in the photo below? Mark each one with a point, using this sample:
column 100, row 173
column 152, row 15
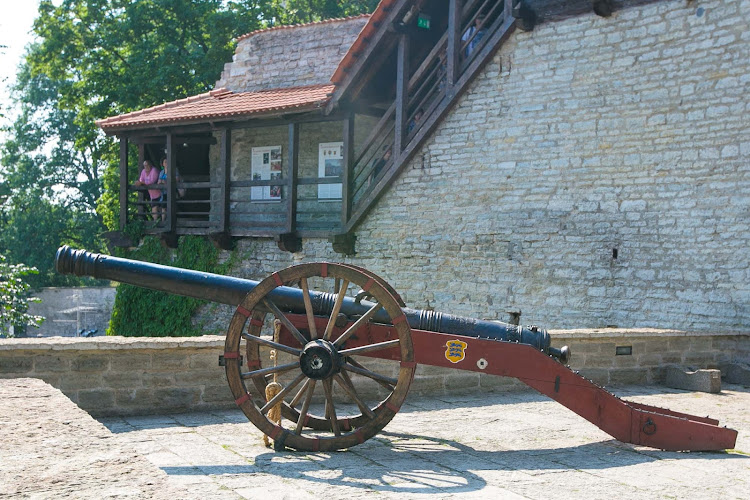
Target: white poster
column 330, row 164
column 265, row 165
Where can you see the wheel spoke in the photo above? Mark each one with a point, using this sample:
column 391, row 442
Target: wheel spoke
column 371, row 347
column 297, row 397
column 385, row 385
column 336, row 309
column 305, row 407
column 371, row 374
column 272, row 344
column 288, row 324
column 361, row 321
column 330, row 409
column 271, row 369
column 349, row 389
column 283, row 392
column 308, row 308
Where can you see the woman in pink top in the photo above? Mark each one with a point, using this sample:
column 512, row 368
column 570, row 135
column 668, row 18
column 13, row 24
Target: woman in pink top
column 149, row 176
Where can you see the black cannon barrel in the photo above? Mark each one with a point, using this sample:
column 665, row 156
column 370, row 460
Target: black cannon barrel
column 229, row 290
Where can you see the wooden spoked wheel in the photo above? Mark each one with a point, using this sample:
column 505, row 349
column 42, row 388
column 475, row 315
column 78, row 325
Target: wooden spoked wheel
column 320, row 371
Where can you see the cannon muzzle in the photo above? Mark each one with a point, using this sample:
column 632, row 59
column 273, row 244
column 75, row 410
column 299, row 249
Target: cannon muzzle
column 232, row 291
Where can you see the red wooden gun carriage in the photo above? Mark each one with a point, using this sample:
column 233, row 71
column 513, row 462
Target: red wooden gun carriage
column 328, row 317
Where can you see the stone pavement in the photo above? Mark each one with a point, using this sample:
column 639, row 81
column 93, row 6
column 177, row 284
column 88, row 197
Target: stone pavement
column 488, row 445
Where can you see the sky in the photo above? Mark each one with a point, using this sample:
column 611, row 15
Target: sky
column 15, row 26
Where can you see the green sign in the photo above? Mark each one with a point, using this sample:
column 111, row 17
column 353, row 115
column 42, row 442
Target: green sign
column 423, row 21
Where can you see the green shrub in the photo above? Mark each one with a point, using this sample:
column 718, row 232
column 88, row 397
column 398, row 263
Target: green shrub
column 139, row 312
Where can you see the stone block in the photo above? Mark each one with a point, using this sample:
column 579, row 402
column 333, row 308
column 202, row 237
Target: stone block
column 46, row 364
column 217, row 394
column 599, row 376
column 80, row 381
column 90, row 364
column 177, row 397
column 96, row 400
column 130, row 362
column 628, row 376
column 16, row 364
column 736, row 373
column 487, row 381
column 678, row 377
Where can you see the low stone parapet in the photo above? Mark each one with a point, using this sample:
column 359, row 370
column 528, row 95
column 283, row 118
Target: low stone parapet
column 128, row 376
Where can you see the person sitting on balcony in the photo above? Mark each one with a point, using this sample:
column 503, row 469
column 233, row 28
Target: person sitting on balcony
column 163, row 180
column 474, row 34
column 414, row 121
column 379, row 164
column 150, row 176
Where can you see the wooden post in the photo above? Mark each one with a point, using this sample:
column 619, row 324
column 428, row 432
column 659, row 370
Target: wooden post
column 348, row 171
column 171, row 205
column 225, row 167
column 291, row 178
column 123, row 182
column 453, row 47
column 402, row 92
column 143, row 211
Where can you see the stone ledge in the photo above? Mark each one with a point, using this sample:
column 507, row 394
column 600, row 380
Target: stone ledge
column 602, row 333
column 110, row 343
column 213, row 341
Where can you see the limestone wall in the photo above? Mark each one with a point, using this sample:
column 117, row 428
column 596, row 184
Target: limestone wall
column 126, row 376
column 595, row 174
column 290, row 56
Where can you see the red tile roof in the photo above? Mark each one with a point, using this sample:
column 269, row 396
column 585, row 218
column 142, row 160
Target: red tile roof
column 292, row 26
column 223, row 104
column 364, row 38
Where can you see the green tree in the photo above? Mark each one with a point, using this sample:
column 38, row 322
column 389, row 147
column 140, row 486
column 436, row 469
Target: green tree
column 14, row 298
column 305, row 11
column 97, row 58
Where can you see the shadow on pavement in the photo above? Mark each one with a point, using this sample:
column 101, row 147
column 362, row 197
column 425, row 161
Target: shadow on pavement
column 409, row 463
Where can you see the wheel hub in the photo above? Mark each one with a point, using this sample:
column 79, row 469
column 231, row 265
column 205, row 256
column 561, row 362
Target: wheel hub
column 319, row 360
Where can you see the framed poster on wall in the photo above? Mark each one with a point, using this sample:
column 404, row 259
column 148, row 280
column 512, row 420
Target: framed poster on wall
column 265, row 165
column 330, row 164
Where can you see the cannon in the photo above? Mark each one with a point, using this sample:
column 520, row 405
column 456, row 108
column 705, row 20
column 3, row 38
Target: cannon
column 344, row 329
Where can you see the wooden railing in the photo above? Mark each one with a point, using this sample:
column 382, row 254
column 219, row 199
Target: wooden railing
column 433, row 87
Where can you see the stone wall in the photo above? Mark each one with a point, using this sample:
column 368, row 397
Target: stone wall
column 595, row 174
column 122, row 376
column 126, row 376
column 290, row 56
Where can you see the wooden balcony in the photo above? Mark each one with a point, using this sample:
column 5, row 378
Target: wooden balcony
column 418, row 80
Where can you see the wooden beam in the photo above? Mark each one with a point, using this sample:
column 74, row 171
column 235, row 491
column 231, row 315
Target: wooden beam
column 123, row 182
column 178, row 139
column 348, row 173
column 291, row 178
column 225, row 167
column 402, row 91
column 171, row 205
column 370, row 50
column 453, row 48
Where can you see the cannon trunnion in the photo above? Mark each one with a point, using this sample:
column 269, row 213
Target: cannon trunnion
column 333, row 349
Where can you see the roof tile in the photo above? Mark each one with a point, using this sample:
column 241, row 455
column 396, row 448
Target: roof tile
column 223, row 103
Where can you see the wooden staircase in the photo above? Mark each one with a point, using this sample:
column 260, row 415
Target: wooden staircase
column 424, row 100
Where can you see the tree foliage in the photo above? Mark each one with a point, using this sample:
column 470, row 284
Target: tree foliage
column 14, row 298
column 98, row 58
column 305, row 11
